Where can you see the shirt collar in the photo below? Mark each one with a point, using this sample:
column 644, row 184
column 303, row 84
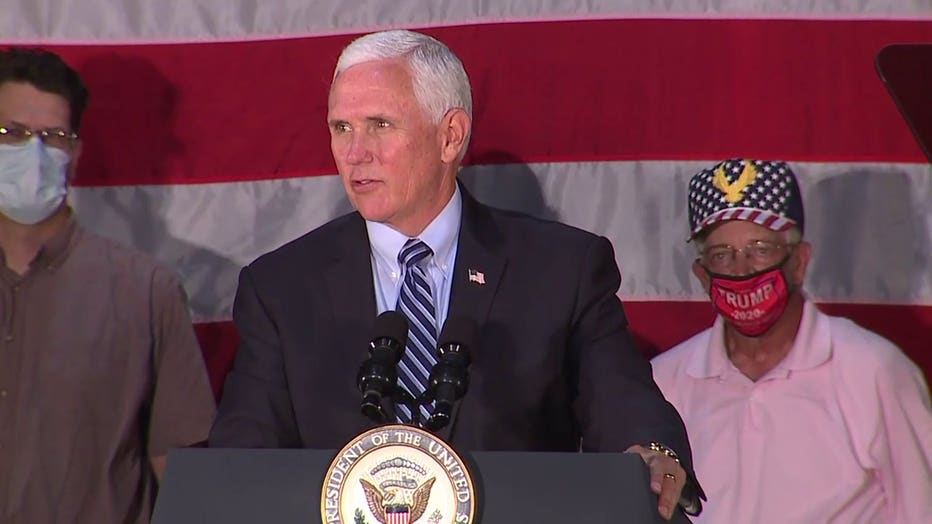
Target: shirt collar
column 813, row 344
column 811, row 347
column 55, row 249
column 440, row 235
column 711, row 358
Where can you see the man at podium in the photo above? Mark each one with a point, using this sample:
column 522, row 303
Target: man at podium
column 554, row 367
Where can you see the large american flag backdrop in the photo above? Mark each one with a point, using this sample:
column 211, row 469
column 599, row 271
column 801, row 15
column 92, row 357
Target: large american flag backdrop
column 205, row 143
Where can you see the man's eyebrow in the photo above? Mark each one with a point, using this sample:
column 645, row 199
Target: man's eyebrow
column 14, row 123
column 751, row 241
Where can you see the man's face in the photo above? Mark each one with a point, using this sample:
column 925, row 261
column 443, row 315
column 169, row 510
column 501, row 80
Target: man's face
column 22, row 105
column 391, row 158
column 755, row 242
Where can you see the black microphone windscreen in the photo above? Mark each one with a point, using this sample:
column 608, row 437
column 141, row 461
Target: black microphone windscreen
column 391, row 324
column 459, row 330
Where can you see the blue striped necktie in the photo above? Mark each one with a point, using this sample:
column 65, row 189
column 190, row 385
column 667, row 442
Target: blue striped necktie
column 416, row 302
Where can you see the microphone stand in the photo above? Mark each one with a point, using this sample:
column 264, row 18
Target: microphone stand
column 403, row 398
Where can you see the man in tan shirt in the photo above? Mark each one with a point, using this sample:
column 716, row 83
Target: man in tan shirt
column 100, row 372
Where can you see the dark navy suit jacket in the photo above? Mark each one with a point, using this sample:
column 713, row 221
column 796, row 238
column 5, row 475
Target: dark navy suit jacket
column 555, row 367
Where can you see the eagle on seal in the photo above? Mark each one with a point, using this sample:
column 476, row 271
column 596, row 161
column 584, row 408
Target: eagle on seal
column 380, row 503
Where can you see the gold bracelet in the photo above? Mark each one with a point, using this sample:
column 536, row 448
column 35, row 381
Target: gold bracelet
column 660, row 448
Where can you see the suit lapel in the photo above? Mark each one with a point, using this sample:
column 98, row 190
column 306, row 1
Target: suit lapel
column 478, row 271
column 349, row 277
column 351, row 292
column 480, row 263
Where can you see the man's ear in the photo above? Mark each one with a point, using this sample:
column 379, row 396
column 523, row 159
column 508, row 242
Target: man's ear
column 454, row 131
column 701, row 274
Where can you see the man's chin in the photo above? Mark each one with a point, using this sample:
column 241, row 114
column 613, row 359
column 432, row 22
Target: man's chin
column 373, row 215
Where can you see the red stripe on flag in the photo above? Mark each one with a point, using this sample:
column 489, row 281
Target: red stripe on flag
column 562, row 91
column 658, row 326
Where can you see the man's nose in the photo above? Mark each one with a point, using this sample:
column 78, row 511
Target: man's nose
column 743, row 264
column 359, row 150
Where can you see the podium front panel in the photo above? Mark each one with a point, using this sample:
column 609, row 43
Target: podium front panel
column 283, row 486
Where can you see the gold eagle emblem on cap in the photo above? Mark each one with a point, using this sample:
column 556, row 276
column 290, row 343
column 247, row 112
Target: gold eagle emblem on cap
column 734, row 191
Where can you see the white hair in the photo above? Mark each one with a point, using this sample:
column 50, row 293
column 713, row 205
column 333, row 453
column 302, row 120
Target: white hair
column 791, row 236
column 439, row 79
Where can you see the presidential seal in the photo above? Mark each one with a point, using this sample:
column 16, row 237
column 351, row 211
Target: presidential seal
column 397, row 474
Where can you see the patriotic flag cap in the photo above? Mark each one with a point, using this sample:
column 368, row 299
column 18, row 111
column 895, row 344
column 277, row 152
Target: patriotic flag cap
column 759, row 191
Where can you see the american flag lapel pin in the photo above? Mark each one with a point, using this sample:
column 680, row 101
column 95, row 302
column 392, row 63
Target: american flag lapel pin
column 476, row 276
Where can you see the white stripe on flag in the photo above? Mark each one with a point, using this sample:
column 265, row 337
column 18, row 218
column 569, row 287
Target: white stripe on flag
column 120, row 21
column 639, row 206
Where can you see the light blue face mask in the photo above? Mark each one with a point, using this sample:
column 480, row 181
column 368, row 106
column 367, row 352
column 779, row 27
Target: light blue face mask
column 33, row 180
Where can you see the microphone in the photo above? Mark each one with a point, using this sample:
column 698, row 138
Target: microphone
column 378, row 375
column 449, row 378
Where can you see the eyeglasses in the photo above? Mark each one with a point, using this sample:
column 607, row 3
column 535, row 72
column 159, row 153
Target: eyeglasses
column 57, row 138
column 761, row 253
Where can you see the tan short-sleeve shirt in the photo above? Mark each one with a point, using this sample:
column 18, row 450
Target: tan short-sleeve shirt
column 99, row 371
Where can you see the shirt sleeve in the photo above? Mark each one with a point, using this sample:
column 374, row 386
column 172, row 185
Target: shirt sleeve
column 902, row 445
column 183, row 405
